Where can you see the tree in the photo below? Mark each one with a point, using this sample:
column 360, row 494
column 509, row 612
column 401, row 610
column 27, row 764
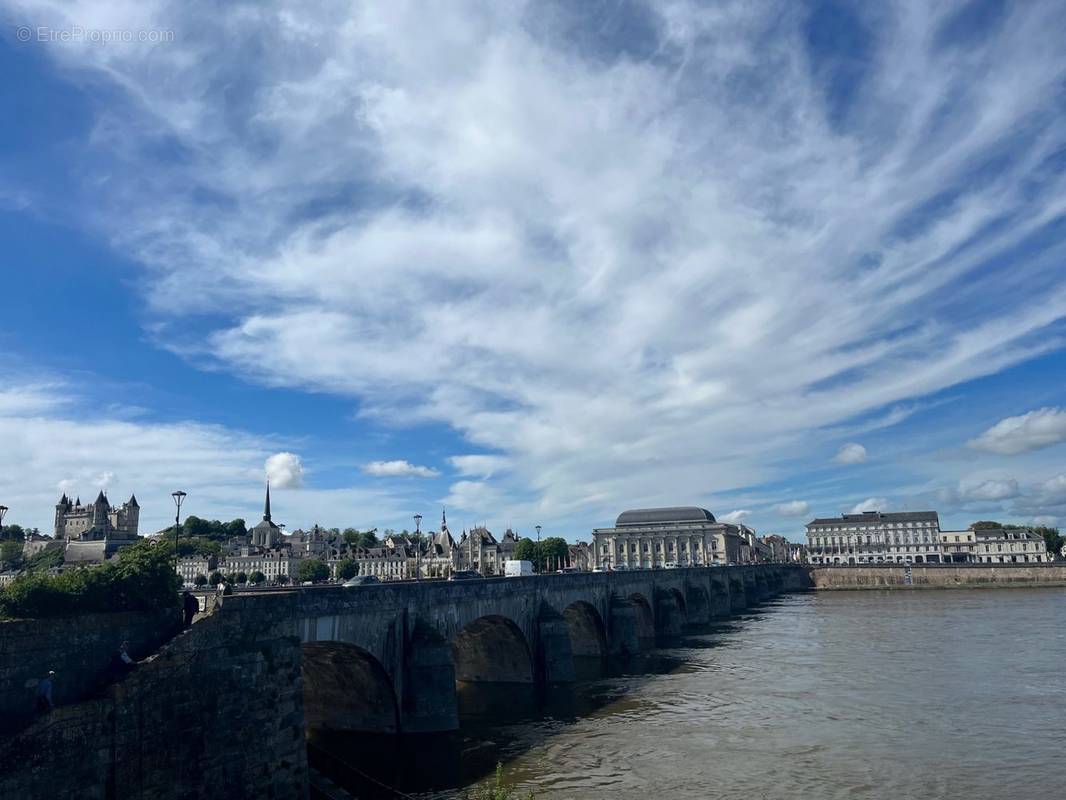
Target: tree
column 215, row 578
column 281, row 580
column 313, row 570
column 256, row 577
column 200, row 580
column 553, row 552
column 526, row 550
column 347, row 569
column 10, row 554
column 1052, row 538
column 985, row 524
column 242, row 578
column 13, row 532
column 140, row 577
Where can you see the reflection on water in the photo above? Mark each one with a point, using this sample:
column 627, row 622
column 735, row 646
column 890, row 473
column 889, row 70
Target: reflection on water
column 870, row 695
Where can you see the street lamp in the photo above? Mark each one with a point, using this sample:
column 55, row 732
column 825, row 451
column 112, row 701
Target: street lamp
column 539, row 556
column 3, row 511
column 179, row 498
column 418, row 547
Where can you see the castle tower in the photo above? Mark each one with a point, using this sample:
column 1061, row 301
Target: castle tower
column 62, row 507
column 100, row 509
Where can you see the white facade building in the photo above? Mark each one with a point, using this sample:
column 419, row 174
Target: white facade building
column 875, row 537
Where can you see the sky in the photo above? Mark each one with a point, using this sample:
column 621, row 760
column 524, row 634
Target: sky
column 534, row 263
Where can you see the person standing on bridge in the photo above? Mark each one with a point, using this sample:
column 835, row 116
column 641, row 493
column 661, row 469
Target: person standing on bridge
column 189, row 606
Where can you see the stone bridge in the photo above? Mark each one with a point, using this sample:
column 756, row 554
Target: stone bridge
column 387, row 658
column 224, row 708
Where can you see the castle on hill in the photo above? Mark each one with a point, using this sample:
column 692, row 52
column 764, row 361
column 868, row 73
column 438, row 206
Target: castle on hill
column 95, row 532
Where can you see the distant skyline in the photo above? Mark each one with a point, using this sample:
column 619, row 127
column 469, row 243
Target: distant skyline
column 536, row 263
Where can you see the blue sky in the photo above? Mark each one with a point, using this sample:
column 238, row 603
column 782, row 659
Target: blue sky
column 534, row 262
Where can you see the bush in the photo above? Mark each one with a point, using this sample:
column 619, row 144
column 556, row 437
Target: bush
column 140, row 577
column 281, row 580
column 256, row 577
column 242, row 578
column 215, row 578
column 200, row 580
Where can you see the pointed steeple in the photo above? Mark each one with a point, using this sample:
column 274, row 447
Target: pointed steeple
column 443, row 520
column 133, row 501
column 100, row 499
column 63, row 500
column 78, row 501
column 266, row 508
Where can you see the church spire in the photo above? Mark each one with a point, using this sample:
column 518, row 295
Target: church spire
column 266, row 508
column 443, row 520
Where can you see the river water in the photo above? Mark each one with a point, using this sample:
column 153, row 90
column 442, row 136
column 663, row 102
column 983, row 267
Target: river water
column 858, row 695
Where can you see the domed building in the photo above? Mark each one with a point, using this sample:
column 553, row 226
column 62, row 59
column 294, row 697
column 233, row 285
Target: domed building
column 681, row 536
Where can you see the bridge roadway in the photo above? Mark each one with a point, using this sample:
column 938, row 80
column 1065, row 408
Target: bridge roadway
column 386, row 657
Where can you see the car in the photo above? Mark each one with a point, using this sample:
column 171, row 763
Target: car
column 670, row 565
column 464, row 575
column 362, row 580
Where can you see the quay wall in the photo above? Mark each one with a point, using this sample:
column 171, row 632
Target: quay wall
column 79, row 649
column 217, row 712
column 937, row 576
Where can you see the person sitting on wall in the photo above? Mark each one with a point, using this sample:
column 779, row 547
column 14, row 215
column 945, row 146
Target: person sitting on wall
column 122, row 663
column 44, row 693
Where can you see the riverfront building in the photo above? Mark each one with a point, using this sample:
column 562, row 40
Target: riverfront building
column 647, row 538
column 875, row 537
column 995, row 546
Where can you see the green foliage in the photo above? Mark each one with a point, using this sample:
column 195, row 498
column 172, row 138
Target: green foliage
column 14, row 533
column 544, row 554
column 256, row 577
column 215, row 578
column 198, row 528
column 311, row 569
column 200, row 580
column 242, row 578
column 282, row 579
column 1052, row 538
column 139, row 578
column 199, row 546
column 525, row 550
column 10, row 554
column 44, row 560
column 985, row 524
column 553, row 552
column 354, row 538
column 495, row 790
column 347, row 569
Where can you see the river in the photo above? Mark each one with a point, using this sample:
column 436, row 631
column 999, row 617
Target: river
column 858, row 695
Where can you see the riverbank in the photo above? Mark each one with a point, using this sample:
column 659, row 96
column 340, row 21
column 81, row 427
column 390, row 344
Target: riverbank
column 937, row 576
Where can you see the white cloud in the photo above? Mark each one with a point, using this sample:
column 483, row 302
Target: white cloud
column 221, row 469
column 1041, row 428
column 398, row 469
column 992, row 490
column 1045, row 521
column 870, row 504
column 850, row 453
column 793, row 508
column 285, row 471
column 414, row 216
column 479, row 466
column 736, row 516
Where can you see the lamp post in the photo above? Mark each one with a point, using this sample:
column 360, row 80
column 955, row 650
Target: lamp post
column 540, row 555
column 179, row 498
column 418, row 547
column 3, row 511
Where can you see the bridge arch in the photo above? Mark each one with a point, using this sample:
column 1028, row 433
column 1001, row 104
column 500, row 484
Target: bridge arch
column 346, row 688
column 645, row 620
column 492, row 649
column 588, row 637
column 698, row 605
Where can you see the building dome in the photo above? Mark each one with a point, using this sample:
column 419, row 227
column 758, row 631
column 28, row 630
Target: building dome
column 656, row 516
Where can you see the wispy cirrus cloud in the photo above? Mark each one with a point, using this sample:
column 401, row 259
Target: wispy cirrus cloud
column 588, row 249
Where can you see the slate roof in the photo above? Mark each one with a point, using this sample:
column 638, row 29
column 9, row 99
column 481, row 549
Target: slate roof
column 877, row 517
column 656, row 516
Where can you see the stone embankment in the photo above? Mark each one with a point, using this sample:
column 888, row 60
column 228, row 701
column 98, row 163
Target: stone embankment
column 79, row 649
column 938, row 576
